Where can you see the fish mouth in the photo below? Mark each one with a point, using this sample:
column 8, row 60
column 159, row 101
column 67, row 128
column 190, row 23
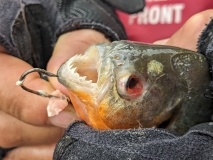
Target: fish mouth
column 81, row 71
column 81, row 76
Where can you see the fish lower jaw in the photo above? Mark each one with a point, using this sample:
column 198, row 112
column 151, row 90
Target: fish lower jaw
column 79, row 87
column 80, row 82
column 73, row 75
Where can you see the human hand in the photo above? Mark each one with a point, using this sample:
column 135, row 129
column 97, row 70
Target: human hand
column 23, row 117
column 37, row 152
column 187, row 36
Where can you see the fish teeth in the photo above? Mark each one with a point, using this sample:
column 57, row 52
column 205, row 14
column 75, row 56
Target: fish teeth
column 73, row 58
column 72, row 67
column 73, row 70
column 93, row 83
column 78, row 56
column 83, row 78
column 84, row 58
column 76, row 74
column 89, row 81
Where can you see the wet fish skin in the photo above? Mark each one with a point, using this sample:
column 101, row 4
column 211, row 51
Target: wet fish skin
column 144, row 86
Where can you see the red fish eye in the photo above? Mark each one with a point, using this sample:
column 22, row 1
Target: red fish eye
column 130, row 86
column 134, row 86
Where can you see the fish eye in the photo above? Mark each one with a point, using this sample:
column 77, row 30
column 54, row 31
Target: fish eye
column 134, row 86
column 130, row 86
column 132, row 82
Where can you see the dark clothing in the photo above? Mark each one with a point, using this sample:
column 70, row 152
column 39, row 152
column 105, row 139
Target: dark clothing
column 83, row 142
column 3, row 152
column 29, row 28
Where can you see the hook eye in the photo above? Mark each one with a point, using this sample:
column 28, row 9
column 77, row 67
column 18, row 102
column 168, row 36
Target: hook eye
column 42, row 93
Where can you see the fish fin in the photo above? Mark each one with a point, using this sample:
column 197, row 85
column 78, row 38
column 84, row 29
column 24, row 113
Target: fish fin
column 189, row 62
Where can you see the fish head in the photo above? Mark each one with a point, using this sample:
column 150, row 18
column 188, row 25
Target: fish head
column 124, row 85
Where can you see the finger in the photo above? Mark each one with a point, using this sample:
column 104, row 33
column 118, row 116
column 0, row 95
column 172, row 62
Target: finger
column 14, row 132
column 43, row 152
column 187, row 36
column 64, row 118
column 161, row 42
column 17, row 102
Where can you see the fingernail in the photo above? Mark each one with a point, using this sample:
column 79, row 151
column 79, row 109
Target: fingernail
column 63, row 119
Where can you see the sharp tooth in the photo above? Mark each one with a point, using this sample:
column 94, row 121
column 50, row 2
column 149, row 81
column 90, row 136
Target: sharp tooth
column 73, row 70
column 78, row 56
column 93, row 85
column 71, row 66
column 73, row 58
column 83, row 78
column 76, row 74
column 89, row 82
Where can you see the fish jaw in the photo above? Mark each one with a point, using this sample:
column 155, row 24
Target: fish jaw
column 80, row 76
column 73, row 79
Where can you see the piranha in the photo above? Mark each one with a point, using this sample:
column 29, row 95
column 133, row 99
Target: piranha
column 125, row 84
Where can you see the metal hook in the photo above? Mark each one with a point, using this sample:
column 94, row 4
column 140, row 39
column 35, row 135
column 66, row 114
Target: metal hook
column 42, row 93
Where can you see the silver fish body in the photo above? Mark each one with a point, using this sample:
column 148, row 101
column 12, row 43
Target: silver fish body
column 125, row 84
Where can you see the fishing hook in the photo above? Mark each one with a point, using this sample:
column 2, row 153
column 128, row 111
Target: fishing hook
column 42, row 93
